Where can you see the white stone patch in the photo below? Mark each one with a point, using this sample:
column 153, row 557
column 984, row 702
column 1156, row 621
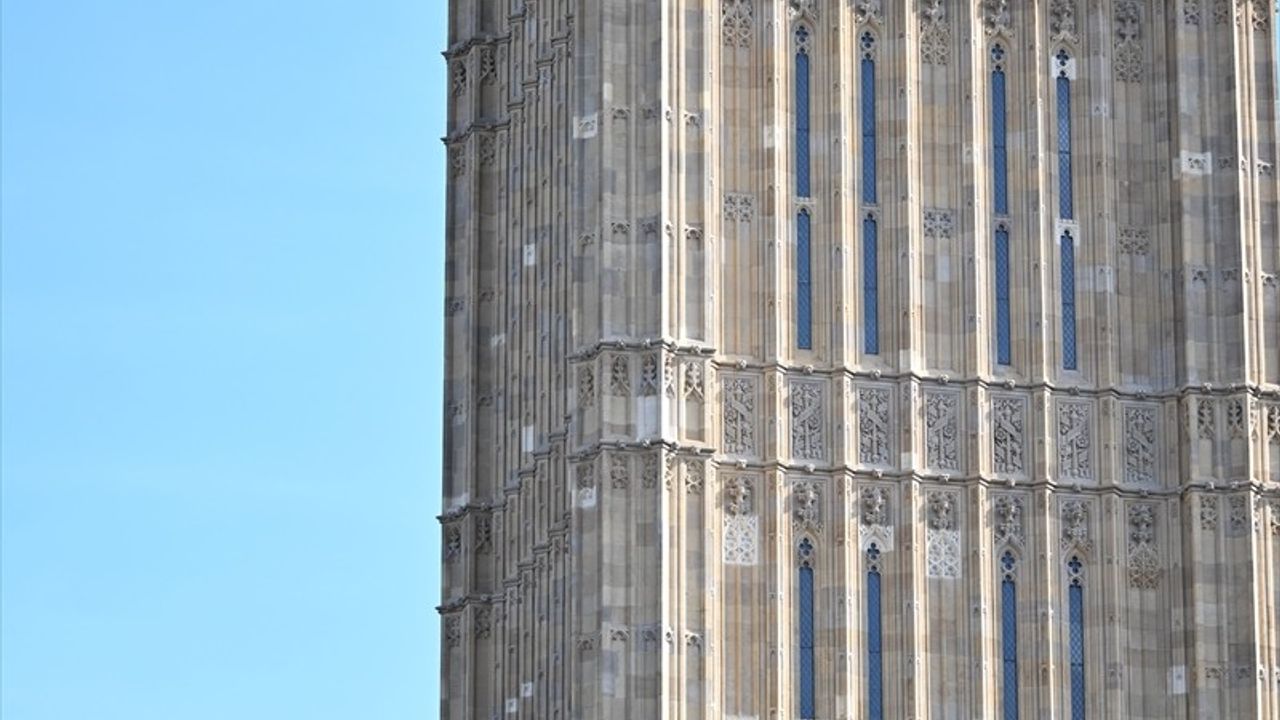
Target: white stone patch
column 513, row 705
column 497, row 339
column 585, row 127
column 587, row 497
column 530, row 254
column 526, row 689
column 741, row 539
column 1057, row 68
column 526, row 439
column 1178, row 680
column 944, row 268
column 1195, row 163
column 943, row 554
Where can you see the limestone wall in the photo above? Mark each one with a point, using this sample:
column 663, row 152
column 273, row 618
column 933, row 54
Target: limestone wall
column 640, row 459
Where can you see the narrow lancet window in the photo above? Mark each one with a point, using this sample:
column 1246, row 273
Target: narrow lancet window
column 805, row 598
column 1075, row 616
column 1004, row 345
column 1067, row 247
column 870, row 236
column 1009, row 637
column 868, row 96
column 875, row 661
column 804, row 284
column 1066, row 209
column 802, row 111
column 999, row 132
column 870, row 286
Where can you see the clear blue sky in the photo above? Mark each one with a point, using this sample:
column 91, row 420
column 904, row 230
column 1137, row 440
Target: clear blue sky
column 222, row 303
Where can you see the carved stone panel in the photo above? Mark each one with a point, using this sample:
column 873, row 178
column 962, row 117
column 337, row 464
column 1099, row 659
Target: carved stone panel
column 739, row 415
column 942, row 551
column 1008, row 434
column 807, row 435
column 874, row 426
column 1007, row 522
column 1075, row 441
column 1140, row 449
column 942, row 430
column 1145, row 569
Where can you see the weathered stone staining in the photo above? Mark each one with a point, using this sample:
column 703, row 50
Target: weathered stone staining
column 644, row 455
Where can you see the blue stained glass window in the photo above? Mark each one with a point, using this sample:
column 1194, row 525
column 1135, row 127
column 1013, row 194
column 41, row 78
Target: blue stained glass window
column 1068, row 250
column 1065, row 201
column 868, row 93
column 807, row 699
column 875, row 661
column 1004, row 350
column 870, row 287
column 804, row 291
column 1009, row 638
column 1075, row 640
column 999, row 132
column 802, row 112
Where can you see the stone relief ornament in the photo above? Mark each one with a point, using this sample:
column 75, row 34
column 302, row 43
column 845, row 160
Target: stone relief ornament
column 942, row 542
column 649, row 375
column 807, row 440
column 484, row 623
column 1191, row 12
column 939, row 224
column 1273, row 423
column 739, row 207
column 875, row 506
column 1075, row 461
column 693, row 476
column 741, row 544
column 1008, row 427
column 693, row 389
column 1139, row 445
column 1008, row 520
column 649, row 473
column 586, row 386
column 1062, row 21
column 737, row 24
column 875, row 528
column 1128, row 46
column 806, row 502
column 452, row 543
column 1144, row 562
column 802, row 10
column 669, row 472
column 741, row 526
column 669, row 377
column 942, row 449
column 1238, row 515
column 873, row 426
column 1134, row 241
column 1075, row 526
column 868, row 11
column 996, row 18
column 737, row 495
column 453, row 631
column 484, row 534
column 941, row 510
column 1236, row 418
column 935, row 33
column 1208, row 512
column 619, row 472
column 739, row 415
column 1205, row 419
column 620, row 376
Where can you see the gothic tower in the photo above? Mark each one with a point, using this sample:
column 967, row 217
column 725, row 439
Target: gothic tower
column 862, row 359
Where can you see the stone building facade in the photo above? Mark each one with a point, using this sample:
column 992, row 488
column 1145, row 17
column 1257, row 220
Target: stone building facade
column 862, row 359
